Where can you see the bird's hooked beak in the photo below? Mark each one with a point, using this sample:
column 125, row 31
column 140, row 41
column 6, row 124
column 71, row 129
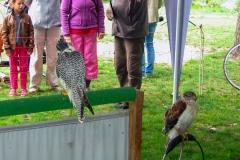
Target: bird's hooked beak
column 195, row 98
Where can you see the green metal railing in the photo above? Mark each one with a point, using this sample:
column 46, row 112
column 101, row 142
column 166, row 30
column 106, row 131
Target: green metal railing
column 58, row 102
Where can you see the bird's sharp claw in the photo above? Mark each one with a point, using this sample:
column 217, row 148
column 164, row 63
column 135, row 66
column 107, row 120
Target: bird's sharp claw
column 64, row 93
column 80, row 119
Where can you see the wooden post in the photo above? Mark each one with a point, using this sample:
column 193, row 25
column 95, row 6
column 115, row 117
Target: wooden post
column 135, row 126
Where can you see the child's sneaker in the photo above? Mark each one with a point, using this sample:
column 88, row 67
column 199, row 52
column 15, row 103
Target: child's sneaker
column 23, row 93
column 12, row 92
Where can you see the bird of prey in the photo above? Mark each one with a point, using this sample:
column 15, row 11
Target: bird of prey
column 70, row 69
column 179, row 117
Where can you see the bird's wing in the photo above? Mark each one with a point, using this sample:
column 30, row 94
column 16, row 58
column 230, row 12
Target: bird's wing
column 71, row 71
column 58, row 66
column 76, row 100
column 172, row 114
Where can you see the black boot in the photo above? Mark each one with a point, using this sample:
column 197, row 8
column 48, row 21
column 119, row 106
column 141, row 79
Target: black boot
column 121, row 105
column 88, row 84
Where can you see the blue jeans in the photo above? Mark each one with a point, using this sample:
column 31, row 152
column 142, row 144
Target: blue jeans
column 149, row 56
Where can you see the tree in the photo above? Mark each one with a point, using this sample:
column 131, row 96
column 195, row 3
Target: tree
column 237, row 35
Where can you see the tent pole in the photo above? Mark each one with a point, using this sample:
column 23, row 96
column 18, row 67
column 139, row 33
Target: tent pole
column 177, row 55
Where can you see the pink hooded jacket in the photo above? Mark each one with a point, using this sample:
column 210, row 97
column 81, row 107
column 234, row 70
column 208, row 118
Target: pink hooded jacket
column 82, row 14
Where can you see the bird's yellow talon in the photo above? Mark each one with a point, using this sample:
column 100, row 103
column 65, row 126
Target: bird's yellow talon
column 185, row 136
column 64, row 93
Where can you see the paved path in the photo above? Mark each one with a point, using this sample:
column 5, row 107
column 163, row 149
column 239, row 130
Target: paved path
column 161, row 49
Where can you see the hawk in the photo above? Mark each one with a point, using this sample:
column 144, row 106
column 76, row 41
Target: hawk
column 179, row 117
column 70, row 69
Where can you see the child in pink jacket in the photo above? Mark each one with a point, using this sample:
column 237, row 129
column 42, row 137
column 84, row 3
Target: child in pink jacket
column 82, row 22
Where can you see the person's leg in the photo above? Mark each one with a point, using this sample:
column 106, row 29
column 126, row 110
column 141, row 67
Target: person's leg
column 90, row 56
column 36, row 64
column 23, row 64
column 120, row 61
column 78, row 42
column 120, row 64
column 13, row 66
column 144, row 64
column 134, row 49
column 150, row 49
column 52, row 37
column 88, row 84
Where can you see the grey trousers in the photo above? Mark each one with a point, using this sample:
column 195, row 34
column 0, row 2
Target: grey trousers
column 49, row 38
column 128, row 61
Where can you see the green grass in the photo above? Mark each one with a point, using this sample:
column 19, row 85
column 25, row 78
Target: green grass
column 218, row 107
column 219, row 103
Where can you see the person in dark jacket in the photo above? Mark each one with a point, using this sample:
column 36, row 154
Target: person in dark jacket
column 129, row 27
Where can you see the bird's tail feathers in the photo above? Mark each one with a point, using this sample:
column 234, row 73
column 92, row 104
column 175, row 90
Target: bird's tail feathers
column 81, row 113
column 84, row 98
column 86, row 102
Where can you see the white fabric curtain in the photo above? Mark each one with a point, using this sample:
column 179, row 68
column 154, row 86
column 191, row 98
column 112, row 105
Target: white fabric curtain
column 177, row 12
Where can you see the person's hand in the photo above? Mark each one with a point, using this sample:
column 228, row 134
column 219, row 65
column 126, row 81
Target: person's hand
column 5, row 3
column 101, row 35
column 9, row 54
column 29, row 53
column 28, row 4
column 67, row 38
column 109, row 13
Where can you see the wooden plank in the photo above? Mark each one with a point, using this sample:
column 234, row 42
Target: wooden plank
column 135, row 127
column 58, row 102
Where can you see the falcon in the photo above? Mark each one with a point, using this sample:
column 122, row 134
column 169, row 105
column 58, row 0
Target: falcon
column 70, row 69
column 179, row 117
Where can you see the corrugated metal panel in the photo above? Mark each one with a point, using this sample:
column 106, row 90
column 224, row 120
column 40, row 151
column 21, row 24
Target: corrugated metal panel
column 100, row 137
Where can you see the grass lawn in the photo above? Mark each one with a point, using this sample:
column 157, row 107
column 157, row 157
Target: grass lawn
column 219, row 103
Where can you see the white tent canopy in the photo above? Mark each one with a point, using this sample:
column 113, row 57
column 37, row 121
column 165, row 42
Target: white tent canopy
column 177, row 13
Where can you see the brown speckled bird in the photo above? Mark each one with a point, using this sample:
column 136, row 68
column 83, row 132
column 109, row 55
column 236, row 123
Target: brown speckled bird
column 179, row 117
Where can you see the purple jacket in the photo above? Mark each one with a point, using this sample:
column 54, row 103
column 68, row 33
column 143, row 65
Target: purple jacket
column 82, row 14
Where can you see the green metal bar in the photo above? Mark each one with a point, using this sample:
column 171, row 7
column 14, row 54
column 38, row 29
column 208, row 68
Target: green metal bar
column 58, row 102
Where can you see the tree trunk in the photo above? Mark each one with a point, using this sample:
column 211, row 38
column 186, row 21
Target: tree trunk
column 237, row 35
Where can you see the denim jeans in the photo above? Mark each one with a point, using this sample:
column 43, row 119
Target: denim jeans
column 149, row 56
